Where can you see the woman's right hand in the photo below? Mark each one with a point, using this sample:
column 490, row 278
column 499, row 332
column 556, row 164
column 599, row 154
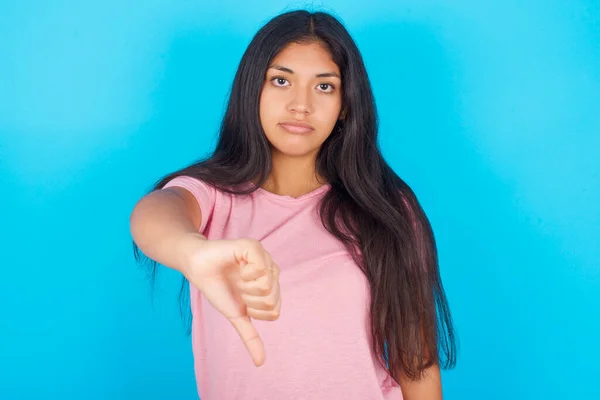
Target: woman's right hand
column 239, row 278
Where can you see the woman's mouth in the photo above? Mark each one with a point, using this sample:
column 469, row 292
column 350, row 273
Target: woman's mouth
column 297, row 127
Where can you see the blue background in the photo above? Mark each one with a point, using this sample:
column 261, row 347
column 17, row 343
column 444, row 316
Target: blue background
column 489, row 109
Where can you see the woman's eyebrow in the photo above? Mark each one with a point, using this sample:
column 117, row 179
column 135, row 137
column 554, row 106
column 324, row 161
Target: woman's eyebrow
column 321, row 75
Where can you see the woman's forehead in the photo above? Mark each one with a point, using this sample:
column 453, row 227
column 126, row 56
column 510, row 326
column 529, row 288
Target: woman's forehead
column 305, row 58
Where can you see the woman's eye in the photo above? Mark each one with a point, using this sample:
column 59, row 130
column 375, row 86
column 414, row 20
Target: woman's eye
column 279, row 81
column 325, row 86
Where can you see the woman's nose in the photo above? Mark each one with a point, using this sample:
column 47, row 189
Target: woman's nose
column 300, row 102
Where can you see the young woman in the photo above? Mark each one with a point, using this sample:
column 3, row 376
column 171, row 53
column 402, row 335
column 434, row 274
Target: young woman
column 301, row 246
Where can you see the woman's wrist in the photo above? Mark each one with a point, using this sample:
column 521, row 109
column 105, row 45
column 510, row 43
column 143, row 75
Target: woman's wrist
column 186, row 247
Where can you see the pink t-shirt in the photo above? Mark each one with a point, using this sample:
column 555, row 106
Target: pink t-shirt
column 319, row 348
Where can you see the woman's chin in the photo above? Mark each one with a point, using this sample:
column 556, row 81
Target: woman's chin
column 295, row 150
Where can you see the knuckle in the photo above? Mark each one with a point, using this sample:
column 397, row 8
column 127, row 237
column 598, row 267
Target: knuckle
column 270, row 303
column 264, row 290
column 275, row 270
column 268, row 258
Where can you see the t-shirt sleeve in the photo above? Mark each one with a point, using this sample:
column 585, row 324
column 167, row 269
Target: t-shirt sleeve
column 205, row 195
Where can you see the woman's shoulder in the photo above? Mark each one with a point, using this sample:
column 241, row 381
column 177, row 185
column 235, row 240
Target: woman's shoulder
column 188, row 182
column 207, row 191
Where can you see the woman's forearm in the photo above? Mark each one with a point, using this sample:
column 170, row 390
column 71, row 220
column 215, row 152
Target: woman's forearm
column 164, row 224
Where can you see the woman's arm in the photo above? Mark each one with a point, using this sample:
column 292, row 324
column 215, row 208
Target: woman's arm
column 162, row 221
column 429, row 387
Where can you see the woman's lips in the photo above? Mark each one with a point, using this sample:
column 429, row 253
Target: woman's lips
column 293, row 127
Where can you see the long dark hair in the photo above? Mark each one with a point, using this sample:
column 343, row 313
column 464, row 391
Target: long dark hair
column 369, row 208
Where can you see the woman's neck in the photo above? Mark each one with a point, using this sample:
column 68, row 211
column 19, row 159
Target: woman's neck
column 293, row 176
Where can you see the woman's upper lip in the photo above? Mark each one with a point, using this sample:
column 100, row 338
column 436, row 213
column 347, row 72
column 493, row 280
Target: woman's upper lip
column 297, row 123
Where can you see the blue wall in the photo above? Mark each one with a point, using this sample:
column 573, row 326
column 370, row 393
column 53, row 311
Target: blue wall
column 490, row 110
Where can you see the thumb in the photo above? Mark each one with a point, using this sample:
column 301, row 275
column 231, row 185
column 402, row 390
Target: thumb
column 250, row 337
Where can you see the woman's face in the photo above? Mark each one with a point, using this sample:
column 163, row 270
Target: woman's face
column 301, row 99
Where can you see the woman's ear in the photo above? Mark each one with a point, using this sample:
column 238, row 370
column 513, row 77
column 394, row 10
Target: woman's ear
column 342, row 115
